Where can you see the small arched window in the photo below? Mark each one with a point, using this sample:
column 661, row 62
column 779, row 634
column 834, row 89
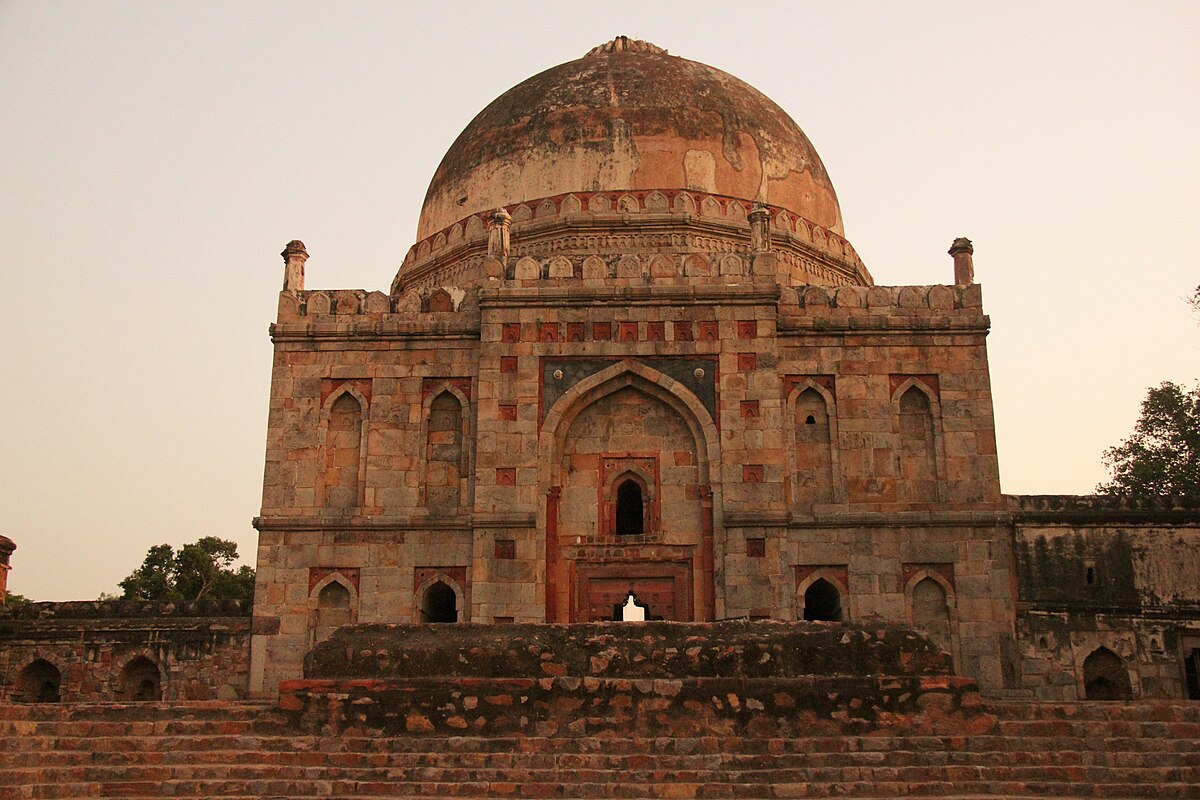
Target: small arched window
column 631, row 509
column 439, row 604
column 822, row 602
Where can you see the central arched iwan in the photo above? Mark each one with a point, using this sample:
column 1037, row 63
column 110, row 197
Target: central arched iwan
column 628, row 427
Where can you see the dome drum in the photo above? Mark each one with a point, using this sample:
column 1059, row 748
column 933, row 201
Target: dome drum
column 663, row 221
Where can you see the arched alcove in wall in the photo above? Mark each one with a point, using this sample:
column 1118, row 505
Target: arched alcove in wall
column 628, row 429
column 140, row 680
column 916, row 447
column 334, row 608
column 1105, row 676
column 38, row 682
column 813, row 454
column 444, row 453
column 439, row 604
column 822, row 602
column 343, row 450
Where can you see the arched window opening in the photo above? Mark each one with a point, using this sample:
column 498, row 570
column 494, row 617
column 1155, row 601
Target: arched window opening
column 333, row 610
column 39, row 682
column 443, row 453
column 1105, row 676
column 1090, row 576
column 140, row 680
column 931, row 612
column 814, row 454
column 343, row 446
column 918, row 462
column 822, row 602
column 439, row 604
column 631, row 509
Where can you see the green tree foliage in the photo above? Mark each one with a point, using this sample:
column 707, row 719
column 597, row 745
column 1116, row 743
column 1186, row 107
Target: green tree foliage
column 203, row 569
column 1162, row 456
column 14, row 600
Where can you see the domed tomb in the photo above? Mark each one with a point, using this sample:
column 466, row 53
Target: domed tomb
column 629, row 116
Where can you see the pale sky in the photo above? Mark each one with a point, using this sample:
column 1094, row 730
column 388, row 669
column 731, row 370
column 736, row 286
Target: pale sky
column 156, row 157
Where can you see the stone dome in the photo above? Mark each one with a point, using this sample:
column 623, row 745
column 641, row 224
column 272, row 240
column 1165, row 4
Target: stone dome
column 629, row 116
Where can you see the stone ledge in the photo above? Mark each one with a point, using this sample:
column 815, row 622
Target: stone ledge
column 127, row 609
column 1067, row 508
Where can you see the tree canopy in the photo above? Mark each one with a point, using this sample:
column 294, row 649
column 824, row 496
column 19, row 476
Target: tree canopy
column 203, row 569
column 1162, row 455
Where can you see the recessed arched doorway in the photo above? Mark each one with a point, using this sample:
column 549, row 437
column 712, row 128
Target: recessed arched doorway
column 629, row 503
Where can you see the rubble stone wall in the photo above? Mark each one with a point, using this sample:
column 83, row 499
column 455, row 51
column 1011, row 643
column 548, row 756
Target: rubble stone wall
column 197, row 652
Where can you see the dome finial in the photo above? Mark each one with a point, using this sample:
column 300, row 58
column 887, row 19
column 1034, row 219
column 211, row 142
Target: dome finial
column 623, row 44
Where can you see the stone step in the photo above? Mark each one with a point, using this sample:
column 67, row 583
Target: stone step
column 604, row 790
column 916, row 774
column 1145, row 710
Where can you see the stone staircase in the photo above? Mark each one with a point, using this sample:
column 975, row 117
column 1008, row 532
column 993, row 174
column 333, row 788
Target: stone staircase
column 1145, row 749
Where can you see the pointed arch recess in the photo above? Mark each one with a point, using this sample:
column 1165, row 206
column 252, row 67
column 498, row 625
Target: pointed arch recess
column 345, row 388
column 432, row 391
column 630, row 373
column 951, row 605
column 921, row 384
column 321, row 622
column 429, row 578
column 837, row 486
column 833, row 575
